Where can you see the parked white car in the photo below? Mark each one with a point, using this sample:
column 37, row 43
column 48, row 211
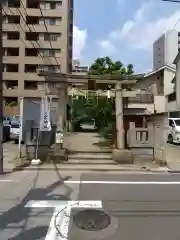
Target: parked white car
column 15, row 128
column 174, row 130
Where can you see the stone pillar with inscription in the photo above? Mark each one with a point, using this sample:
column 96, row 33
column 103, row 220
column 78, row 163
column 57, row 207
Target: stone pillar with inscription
column 120, row 154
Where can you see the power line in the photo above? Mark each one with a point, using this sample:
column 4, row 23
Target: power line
column 41, row 46
column 15, row 26
column 24, row 32
column 35, row 32
column 48, row 32
column 175, row 1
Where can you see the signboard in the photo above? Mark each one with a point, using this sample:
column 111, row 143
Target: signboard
column 59, row 137
column 45, row 123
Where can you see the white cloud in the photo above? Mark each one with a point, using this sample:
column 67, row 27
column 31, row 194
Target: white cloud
column 142, row 30
column 79, row 41
column 107, row 46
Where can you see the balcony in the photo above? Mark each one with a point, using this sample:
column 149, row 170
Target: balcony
column 8, row 43
column 10, row 10
column 10, row 92
column 46, row 13
column 33, row 75
column 12, row 75
column 38, row 60
column 40, row 28
column 11, row 59
column 10, row 27
column 43, row 44
column 141, row 98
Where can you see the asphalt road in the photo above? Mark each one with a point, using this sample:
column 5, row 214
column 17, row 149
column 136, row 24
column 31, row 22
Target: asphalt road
column 136, row 206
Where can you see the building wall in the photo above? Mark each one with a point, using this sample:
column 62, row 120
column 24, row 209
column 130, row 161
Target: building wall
column 158, row 52
column 171, row 48
column 178, row 83
column 168, row 85
column 165, row 49
column 63, row 15
column 148, row 83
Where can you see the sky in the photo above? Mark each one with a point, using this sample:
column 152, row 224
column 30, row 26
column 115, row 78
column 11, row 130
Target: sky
column 122, row 29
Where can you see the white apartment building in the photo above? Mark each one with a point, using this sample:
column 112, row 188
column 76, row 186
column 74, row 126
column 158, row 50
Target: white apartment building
column 165, row 49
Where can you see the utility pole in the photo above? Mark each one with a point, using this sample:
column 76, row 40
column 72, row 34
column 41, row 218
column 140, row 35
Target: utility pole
column 1, row 92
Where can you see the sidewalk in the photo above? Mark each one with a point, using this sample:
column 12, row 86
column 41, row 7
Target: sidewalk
column 173, row 157
column 10, row 152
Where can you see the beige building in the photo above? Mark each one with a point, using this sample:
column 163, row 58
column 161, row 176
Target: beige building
column 159, row 83
column 37, row 35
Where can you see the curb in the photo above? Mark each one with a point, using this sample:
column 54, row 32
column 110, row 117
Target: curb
column 38, row 167
column 173, row 171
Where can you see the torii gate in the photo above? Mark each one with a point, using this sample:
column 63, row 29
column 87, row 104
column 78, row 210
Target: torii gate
column 59, row 82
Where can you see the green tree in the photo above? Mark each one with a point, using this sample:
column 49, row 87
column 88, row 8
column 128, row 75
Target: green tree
column 105, row 65
column 103, row 110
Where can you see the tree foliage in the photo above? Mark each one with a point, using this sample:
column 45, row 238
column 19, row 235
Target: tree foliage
column 105, row 65
column 101, row 109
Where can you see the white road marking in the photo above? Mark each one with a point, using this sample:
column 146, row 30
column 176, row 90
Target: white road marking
column 61, row 215
column 122, row 182
column 7, row 180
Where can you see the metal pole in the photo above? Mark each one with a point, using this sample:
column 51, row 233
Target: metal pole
column 1, row 93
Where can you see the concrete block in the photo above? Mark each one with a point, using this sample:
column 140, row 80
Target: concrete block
column 122, row 156
column 57, row 155
column 160, row 157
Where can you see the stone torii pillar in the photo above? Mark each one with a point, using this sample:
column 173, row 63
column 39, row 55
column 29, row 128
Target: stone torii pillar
column 119, row 116
column 120, row 154
column 61, row 110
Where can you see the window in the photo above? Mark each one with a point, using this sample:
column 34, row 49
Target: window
column 10, row 84
column 30, row 68
column 31, row 52
column 32, row 36
column 49, row 68
column 52, row 5
column 50, row 52
column 49, row 5
column 32, row 20
column 171, row 123
column 51, row 21
column 11, row 3
column 51, row 36
column 32, row 4
column 13, row 19
column 30, row 85
column 12, row 67
column 13, row 35
column 12, row 52
column 177, row 122
column 10, row 101
column 46, row 5
column 172, row 97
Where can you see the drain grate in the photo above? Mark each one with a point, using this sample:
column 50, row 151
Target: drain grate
column 92, row 220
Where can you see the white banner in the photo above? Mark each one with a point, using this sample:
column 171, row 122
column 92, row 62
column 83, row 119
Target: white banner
column 45, row 121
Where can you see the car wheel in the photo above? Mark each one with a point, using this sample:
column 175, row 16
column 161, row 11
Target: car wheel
column 170, row 138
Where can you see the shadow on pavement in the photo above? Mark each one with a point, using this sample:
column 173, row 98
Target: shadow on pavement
column 19, row 214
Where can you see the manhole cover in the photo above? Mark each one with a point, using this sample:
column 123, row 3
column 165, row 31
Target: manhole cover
column 92, row 220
